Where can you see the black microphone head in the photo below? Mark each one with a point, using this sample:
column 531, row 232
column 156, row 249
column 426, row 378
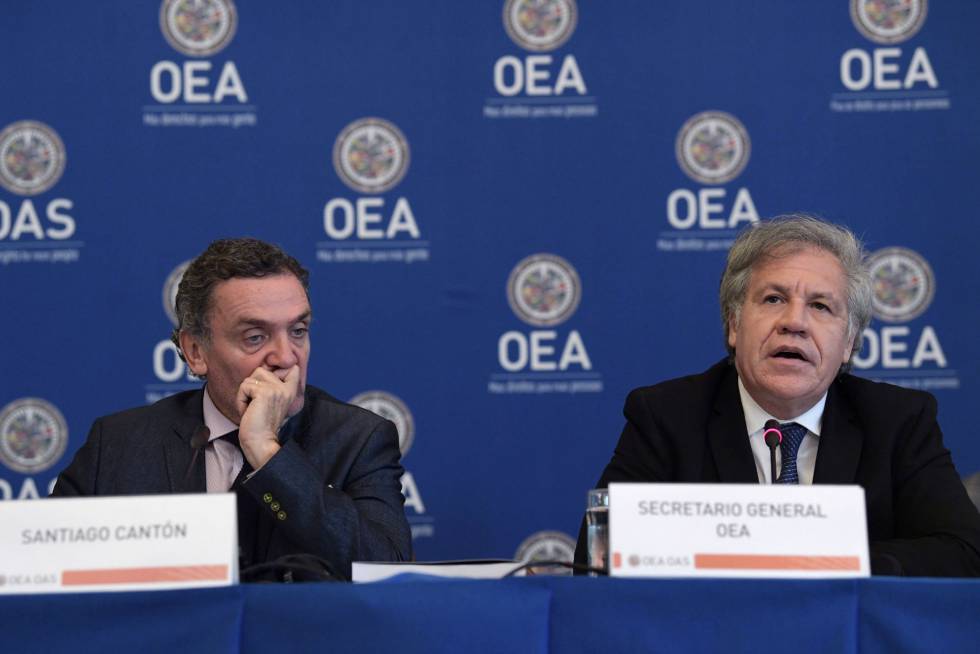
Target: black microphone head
column 200, row 437
column 198, row 440
column 772, row 434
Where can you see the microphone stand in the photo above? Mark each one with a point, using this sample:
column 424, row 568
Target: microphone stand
column 774, row 438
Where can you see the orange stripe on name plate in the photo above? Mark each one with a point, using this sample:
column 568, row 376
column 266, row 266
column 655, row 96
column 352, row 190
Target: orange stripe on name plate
column 144, row 575
column 774, row 562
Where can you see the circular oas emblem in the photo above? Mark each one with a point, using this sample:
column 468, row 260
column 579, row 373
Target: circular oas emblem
column 888, row 21
column 540, row 25
column 903, row 284
column 547, row 546
column 543, row 290
column 33, row 435
column 371, row 155
column 32, row 157
column 198, row 28
column 390, row 407
column 170, row 287
column 713, row 147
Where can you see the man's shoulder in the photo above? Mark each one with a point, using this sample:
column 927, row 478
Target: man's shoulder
column 169, row 408
column 323, row 407
column 680, row 391
column 865, row 394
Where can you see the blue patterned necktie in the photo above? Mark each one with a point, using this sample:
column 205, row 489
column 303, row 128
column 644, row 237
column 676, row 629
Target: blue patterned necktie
column 792, row 437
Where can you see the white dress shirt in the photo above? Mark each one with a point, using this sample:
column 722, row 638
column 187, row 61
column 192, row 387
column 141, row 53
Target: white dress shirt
column 755, row 421
column 222, row 460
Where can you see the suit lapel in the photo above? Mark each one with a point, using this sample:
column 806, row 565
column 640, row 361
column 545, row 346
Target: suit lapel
column 727, row 437
column 841, row 442
column 178, row 453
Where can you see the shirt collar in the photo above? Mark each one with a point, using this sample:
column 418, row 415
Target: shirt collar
column 214, row 419
column 756, row 417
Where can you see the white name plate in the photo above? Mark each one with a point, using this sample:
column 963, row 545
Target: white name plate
column 145, row 542
column 737, row 530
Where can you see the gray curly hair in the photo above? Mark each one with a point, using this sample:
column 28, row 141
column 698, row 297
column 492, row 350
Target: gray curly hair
column 787, row 234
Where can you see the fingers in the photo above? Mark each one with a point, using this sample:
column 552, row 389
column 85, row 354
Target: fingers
column 292, row 378
column 268, row 392
column 243, row 397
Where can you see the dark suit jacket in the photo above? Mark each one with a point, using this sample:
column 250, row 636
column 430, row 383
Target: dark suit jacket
column 337, row 477
column 882, row 437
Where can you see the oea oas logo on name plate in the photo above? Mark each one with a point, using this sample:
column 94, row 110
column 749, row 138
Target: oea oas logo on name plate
column 33, row 435
column 889, row 21
column 543, row 290
column 540, row 25
column 371, row 155
column 32, row 157
column 391, row 408
column 198, row 28
column 903, row 284
column 712, row 147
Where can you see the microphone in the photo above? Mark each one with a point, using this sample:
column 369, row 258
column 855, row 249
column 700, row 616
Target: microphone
column 198, row 440
column 773, row 437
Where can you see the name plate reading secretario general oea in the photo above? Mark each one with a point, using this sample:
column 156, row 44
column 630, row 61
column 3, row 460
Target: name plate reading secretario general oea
column 144, row 542
column 737, row 530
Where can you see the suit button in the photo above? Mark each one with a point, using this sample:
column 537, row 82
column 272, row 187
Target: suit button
column 267, row 498
column 281, row 515
column 274, row 506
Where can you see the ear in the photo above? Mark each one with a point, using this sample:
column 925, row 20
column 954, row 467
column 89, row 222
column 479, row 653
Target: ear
column 732, row 331
column 848, row 346
column 193, row 350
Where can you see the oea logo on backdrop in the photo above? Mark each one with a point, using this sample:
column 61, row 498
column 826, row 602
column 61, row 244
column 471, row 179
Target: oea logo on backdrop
column 33, row 437
column 547, row 546
column 539, row 26
column 713, row 148
column 32, row 161
column 170, row 372
column 544, row 290
column 199, row 29
column 371, row 155
column 392, row 408
column 890, row 70
column 904, row 286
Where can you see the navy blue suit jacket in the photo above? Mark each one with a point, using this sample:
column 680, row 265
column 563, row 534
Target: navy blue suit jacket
column 337, row 477
column 879, row 436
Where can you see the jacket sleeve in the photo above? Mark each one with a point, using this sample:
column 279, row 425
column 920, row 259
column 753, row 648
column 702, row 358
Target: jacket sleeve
column 937, row 527
column 358, row 518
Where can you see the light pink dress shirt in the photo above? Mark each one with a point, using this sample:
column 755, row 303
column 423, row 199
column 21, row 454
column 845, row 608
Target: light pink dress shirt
column 222, row 460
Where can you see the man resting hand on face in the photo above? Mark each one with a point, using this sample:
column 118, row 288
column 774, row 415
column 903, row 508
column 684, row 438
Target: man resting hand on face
column 313, row 475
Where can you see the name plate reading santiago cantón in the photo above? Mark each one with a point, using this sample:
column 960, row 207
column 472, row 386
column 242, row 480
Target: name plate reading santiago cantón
column 737, row 530
column 145, row 542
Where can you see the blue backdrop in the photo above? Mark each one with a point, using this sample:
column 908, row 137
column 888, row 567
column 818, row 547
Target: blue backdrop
column 513, row 212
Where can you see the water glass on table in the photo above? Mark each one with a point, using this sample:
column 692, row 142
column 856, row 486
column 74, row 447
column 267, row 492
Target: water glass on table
column 597, row 529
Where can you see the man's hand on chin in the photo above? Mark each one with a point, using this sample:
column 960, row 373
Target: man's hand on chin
column 263, row 401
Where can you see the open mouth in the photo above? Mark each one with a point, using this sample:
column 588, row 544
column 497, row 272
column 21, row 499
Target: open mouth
column 789, row 354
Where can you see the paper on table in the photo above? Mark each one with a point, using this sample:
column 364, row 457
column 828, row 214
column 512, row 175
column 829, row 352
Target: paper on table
column 368, row 571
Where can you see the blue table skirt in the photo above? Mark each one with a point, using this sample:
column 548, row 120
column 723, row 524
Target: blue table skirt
column 544, row 614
